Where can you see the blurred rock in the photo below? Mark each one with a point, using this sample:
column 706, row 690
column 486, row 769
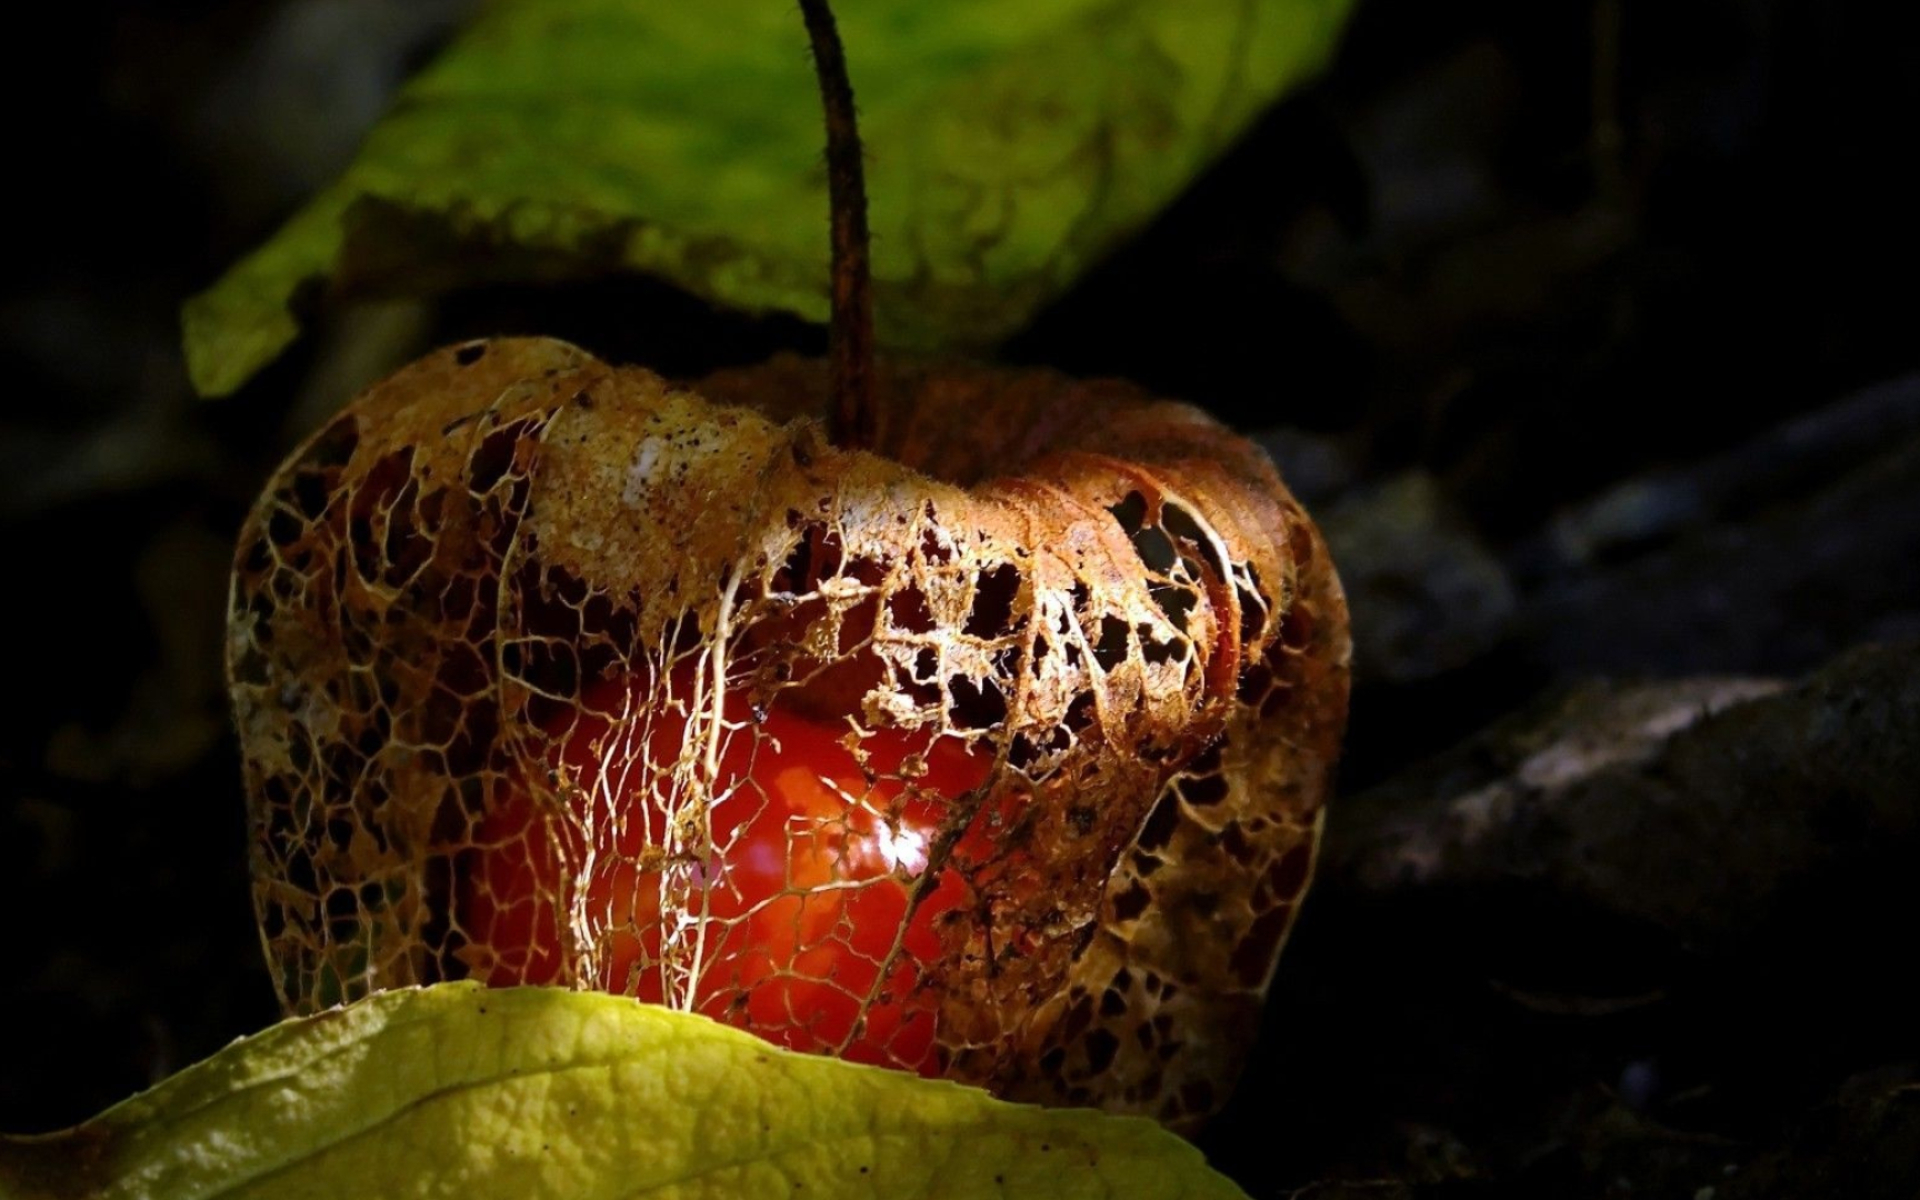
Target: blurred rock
column 1781, row 463
column 1433, row 825
column 1317, row 469
column 1617, row 798
column 1426, row 594
column 1746, row 573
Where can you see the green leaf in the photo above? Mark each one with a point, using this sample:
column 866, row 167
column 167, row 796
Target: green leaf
column 1011, row 143
column 463, row 1091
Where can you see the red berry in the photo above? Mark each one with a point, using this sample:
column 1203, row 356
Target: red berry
column 804, row 895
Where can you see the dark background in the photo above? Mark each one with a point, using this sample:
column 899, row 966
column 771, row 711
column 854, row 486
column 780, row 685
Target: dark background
column 1507, row 257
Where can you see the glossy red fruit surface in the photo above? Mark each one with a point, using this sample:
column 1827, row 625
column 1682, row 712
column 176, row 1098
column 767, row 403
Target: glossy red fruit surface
column 801, row 903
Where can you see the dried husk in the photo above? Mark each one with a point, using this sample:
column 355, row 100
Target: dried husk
column 1110, row 597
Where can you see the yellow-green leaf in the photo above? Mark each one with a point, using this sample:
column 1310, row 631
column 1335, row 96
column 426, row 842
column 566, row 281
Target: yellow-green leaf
column 1010, row 143
column 474, row 1093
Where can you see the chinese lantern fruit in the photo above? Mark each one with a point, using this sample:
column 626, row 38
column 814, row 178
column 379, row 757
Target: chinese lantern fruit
column 996, row 750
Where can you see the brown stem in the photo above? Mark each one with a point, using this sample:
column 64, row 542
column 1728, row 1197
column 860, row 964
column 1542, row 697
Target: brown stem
column 855, row 420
